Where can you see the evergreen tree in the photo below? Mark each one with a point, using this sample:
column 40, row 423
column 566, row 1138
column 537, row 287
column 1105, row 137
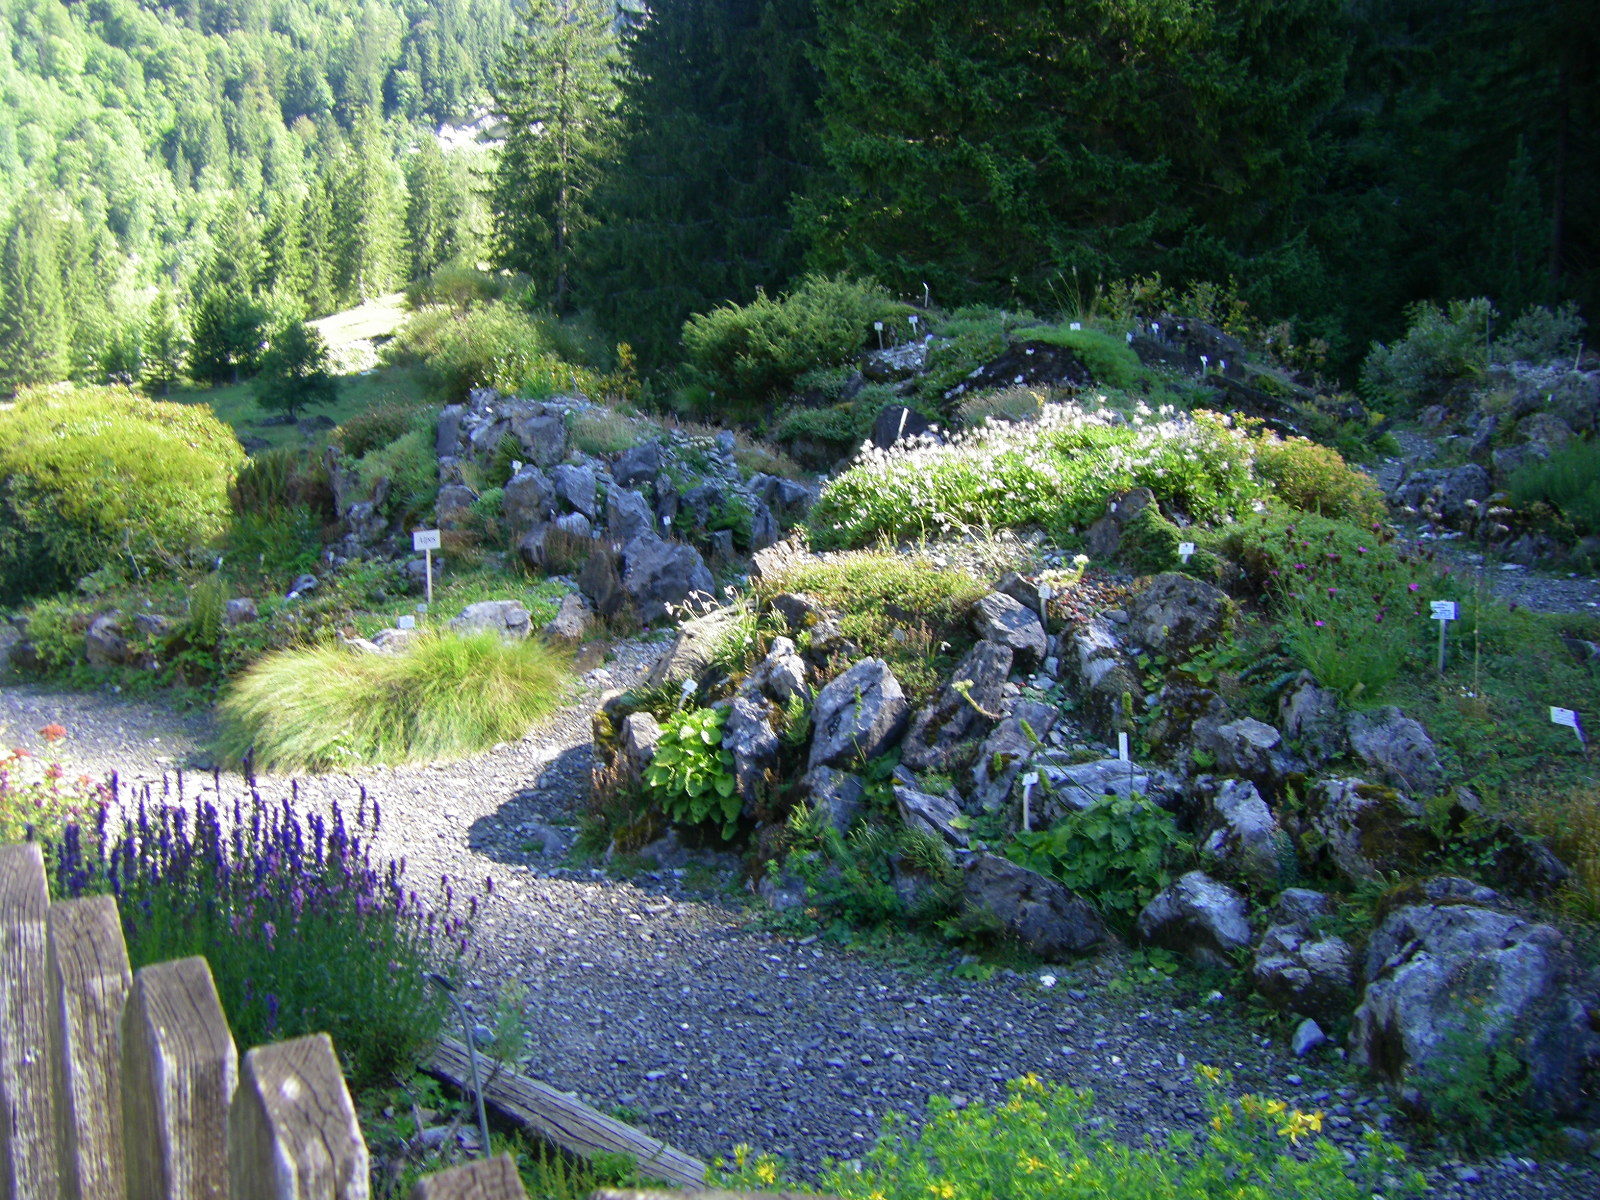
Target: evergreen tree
column 367, row 210
column 294, row 371
column 436, row 204
column 716, row 135
column 165, row 346
column 229, row 332
column 34, row 339
column 557, row 90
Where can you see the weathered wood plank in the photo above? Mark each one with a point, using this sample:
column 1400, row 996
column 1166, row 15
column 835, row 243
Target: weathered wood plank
column 88, row 985
column 293, row 1133
column 564, row 1121
column 486, row 1179
column 27, row 1085
column 179, row 1070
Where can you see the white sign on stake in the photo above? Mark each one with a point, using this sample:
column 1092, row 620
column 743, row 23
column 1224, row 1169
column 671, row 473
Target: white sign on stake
column 1029, row 782
column 1186, row 551
column 1569, row 718
column 1122, row 747
column 425, row 539
column 1076, row 325
column 1444, row 610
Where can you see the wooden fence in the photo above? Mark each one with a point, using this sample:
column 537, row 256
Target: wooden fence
column 126, row 1086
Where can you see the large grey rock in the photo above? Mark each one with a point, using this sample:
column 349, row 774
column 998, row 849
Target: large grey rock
column 575, row 487
column 543, row 437
column 105, row 644
column 447, row 435
column 1175, row 613
column 658, row 575
column 1312, row 720
column 696, row 643
column 959, row 713
column 1445, row 491
column 781, row 675
column 1104, row 538
column 575, row 525
column 1073, row 788
column 834, row 795
column 894, row 363
column 1397, row 748
column 1043, row 915
column 529, row 500
column 241, row 610
column 504, row 617
column 1300, row 906
column 1007, row 750
column 858, row 716
column 749, row 737
column 637, row 740
column 1101, row 671
column 1299, row 972
column 628, row 514
column 572, row 621
column 936, row 815
column 454, row 505
column 1243, row 838
column 1199, row 919
column 637, row 464
column 1444, row 980
column 1368, row 830
column 897, row 423
column 1246, row 747
column 998, row 618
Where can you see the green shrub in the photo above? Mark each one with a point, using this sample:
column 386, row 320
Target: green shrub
column 303, row 931
column 1440, row 348
column 1111, row 361
column 1117, row 853
column 324, row 707
column 1541, row 334
column 691, row 775
column 461, row 285
column 274, row 545
column 1043, row 1144
column 746, row 353
column 279, row 480
column 374, row 428
column 38, row 801
column 494, row 346
column 96, row 475
column 1007, row 404
column 408, row 463
column 1568, row 481
column 1316, row 479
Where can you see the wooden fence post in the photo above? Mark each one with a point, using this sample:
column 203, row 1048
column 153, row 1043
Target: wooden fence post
column 293, row 1133
column 179, row 1069
column 88, row 984
column 27, row 1094
column 486, row 1179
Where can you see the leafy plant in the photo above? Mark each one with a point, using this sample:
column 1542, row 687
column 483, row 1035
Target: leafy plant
column 1116, row 853
column 691, row 775
column 38, row 801
column 1441, row 347
column 1316, row 479
column 1568, row 481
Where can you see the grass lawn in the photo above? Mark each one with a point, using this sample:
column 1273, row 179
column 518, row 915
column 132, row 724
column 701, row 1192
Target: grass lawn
column 236, row 403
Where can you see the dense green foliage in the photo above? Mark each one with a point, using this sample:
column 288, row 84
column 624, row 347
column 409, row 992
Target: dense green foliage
column 691, row 775
column 1119, row 850
column 445, row 696
column 102, row 477
column 294, row 371
column 146, row 145
column 1568, row 481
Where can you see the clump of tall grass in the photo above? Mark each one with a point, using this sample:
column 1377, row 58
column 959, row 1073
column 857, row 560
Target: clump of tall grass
column 323, row 707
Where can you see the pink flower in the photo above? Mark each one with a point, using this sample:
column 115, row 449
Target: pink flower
column 1413, row 587
column 1318, row 624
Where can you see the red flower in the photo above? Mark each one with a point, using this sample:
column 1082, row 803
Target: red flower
column 53, row 732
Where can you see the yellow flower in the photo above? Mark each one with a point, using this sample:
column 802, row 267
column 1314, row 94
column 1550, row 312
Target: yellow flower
column 944, row 1190
column 767, row 1171
column 741, row 1154
column 1276, row 1108
column 1030, row 1164
column 1030, row 1083
column 1209, row 1073
column 1216, row 1123
column 1300, row 1124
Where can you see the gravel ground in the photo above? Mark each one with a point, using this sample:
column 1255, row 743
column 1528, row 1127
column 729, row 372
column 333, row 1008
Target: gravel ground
column 673, row 1003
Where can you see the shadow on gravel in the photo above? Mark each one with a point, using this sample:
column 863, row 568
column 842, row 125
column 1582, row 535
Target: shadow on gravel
column 524, row 830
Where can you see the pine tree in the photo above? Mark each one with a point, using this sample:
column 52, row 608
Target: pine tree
column 367, row 211
column 166, row 348
column 557, row 90
column 717, row 133
column 436, row 206
column 33, row 316
column 229, row 333
column 294, row 371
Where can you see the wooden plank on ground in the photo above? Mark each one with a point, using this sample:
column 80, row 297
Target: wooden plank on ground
column 179, row 1070
column 292, row 1132
column 27, row 1083
column 487, row 1179
column 88, row 982
column 565, row 1121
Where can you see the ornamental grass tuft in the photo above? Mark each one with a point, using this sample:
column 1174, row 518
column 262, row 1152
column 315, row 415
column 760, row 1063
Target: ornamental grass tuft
column 324, row 707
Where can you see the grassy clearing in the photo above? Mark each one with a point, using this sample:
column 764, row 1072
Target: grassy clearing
column 236, row 403
column 325, row 707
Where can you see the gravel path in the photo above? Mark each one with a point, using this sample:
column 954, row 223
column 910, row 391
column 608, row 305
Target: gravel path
column 649, row 995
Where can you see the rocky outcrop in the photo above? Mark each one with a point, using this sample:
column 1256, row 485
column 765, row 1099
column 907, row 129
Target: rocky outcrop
column 1199, row 919
column 1368, row 830
column 1040, row 913
column 1000, row 619
column 1007, row 751
column 1242, row 837
column 858, row 716
column 836, row 796
column 1450, row 978
column 939, row 816
column 504, row 617
column 1397, row 749
column 1175, row 614
column 965, row 708
column 657, row 575
column 749, row 737
column 1299, row 972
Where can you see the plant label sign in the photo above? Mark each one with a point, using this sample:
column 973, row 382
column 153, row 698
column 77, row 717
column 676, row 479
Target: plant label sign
column 425, row 539
column 1122, row 746
column 1444, row 610
column 1186, row 551
column 406, row 622
column 1569, row 718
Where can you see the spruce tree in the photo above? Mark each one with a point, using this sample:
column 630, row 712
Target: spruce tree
column 716, row 135
column 294, row 371
column 34, row 339
column 367, row 210
column 435, row 210
column 166, row 347
column 557, row 90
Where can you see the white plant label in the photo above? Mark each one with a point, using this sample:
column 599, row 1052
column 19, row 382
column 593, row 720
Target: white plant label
column 406, row 622
column 878, row 325
column 1122, row 747
column 425, row 539
column 1444, row 610
column 1031, row 780
column 1186, row 550
column 1076, row 325
column 1045, row 590
column 422, row 610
